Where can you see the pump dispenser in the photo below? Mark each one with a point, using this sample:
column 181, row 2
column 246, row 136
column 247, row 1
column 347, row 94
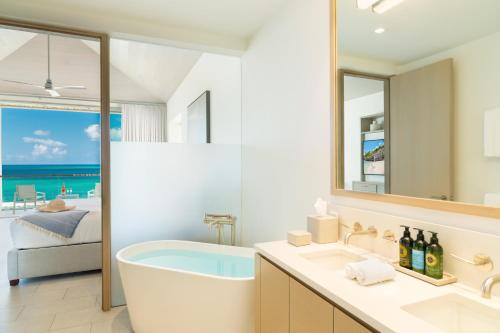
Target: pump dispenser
column 434, row 258
column 405, row 248
column 418, row 252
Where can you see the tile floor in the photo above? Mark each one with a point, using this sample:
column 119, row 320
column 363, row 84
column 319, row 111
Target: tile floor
column 64, row 304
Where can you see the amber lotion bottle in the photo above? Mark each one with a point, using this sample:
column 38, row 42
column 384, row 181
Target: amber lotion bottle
column 434, row 258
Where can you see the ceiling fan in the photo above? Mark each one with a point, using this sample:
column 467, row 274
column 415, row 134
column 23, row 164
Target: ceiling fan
column 48, row 86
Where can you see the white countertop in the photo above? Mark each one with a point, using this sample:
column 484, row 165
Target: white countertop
column 378, row 305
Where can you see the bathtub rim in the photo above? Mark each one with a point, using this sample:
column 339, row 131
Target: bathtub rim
column 121, row 259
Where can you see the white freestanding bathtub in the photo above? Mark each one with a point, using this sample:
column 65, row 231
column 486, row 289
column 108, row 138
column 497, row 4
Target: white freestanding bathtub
column 165, row 295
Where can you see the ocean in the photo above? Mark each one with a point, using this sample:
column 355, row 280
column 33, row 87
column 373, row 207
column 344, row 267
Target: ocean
column 79, row 178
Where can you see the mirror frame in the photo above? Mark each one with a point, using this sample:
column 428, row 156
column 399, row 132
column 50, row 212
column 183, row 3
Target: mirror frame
column 336, row 150
column 103, row 39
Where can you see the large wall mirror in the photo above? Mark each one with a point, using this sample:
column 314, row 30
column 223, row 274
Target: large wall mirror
column 418, row 102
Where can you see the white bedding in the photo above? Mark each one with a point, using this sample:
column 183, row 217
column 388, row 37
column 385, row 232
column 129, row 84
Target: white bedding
column 88, row 230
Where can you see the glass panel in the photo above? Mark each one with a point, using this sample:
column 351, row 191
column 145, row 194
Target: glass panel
column 180, row 151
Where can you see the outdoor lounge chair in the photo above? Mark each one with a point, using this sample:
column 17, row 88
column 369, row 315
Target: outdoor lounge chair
column 27, row 193
column 96, row 192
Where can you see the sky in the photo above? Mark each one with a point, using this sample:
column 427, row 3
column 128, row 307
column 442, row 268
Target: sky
column 369, row 145
column 53, row 137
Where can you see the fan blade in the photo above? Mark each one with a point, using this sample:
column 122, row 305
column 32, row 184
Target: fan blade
column 52, row 92
column 20, row 82
column 70, row 87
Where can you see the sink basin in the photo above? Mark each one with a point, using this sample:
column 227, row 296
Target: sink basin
column 332, row 259
column 456, row 314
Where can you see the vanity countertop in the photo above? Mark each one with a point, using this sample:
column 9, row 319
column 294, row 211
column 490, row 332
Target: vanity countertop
column 378, row 305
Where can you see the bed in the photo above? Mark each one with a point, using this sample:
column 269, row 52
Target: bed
column 37, row 253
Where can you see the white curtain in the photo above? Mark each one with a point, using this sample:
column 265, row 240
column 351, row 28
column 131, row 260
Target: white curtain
column 144, row 123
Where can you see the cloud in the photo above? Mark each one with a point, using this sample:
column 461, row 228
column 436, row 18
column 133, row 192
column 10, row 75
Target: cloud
column 115, row 134
column 39, row 150
column 59, row 151
column 93, row 132
column 46, row 148
column 40, row 132
column 45, row 142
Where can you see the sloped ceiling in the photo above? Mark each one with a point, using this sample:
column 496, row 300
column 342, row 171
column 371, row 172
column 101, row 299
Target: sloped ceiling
column 139, row 72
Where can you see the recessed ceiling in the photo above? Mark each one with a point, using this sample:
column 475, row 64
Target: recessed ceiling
column 415, row 28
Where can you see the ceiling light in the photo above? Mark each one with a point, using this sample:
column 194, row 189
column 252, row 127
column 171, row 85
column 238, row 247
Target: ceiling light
column 384, row 5
column 365, row 4
column 379, row 30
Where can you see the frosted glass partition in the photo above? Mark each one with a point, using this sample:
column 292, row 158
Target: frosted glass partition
column 162, row 191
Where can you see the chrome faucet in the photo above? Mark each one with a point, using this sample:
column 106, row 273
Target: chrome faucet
column 488, row 284
column 358, row 231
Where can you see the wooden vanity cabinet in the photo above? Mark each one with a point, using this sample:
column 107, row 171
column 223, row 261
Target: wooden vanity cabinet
column 286, row 305
column 274, row 299
column 308, row 312
column 342, row 323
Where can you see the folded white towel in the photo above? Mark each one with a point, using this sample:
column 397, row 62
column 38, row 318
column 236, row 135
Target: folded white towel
column 370, row 271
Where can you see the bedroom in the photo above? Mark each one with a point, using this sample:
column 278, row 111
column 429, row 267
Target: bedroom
column 51, row 150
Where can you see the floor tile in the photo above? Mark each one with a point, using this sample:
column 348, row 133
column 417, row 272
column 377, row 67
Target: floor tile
column 78, row 329
column 94, row 315
column 111, row 326
column 56, row 307
column 21, row 296
column 10, row 314
column 83, row 290
column 40, row 324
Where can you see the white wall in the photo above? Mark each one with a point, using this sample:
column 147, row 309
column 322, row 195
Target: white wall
column 222, row 76
column 286, row 121
column 354, row 110
column 162, row 191
column 286, row 156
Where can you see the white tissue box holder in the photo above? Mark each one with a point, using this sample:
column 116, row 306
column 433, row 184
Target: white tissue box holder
column 299, row 237
column 324, row 229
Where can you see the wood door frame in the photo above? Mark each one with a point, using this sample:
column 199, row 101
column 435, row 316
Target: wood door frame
column 341, row 73
column 105, row 143
column 336, row 130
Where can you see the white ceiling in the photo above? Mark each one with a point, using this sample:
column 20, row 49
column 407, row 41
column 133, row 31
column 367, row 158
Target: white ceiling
column 355, row 87
column 415, row 28
column 231, row 18
column 139, row 72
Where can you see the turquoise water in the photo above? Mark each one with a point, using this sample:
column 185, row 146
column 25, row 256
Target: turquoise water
column 199, row 262
column 80, row 178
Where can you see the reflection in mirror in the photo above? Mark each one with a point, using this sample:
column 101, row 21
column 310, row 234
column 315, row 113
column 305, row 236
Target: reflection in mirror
column 419, row 108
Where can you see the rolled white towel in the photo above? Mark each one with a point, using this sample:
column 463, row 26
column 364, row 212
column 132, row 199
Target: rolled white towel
column 370, row 271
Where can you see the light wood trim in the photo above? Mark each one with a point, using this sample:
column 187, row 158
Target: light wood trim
column 105, row 143
column 336, row 188
column 257, row 292
column 308, row 311
column 105, row 174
